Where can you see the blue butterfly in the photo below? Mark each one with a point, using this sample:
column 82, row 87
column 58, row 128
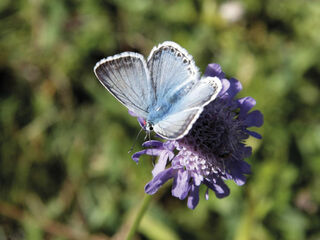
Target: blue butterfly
column 166, row 90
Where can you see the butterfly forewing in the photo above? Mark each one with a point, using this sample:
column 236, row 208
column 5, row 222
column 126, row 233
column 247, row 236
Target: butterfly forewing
column 127, row 78
column 171, row 69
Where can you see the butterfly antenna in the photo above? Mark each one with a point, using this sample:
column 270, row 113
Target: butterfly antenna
column 135, row 141
column 153, row 158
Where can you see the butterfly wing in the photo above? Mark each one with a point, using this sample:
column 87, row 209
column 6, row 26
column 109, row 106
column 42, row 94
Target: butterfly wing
column 127, row 78
column 171, row 69
column 185, row 112
column 175, row 125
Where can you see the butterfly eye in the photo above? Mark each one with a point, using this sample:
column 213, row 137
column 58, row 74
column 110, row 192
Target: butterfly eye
column 148, row 126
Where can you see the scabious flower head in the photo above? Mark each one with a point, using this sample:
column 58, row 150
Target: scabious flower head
column 212, row 151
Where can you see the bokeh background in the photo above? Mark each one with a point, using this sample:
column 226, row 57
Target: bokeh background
column 65, row 171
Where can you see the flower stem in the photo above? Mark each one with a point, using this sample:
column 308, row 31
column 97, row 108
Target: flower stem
column 139, row 216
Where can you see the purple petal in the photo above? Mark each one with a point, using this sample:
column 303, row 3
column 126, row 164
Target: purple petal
column 193, row 198
column 237, row 176
column 152, row 143
column 162, row 162
column 214, row 70
column 254, row 134
column 206, row 195
column 151, row 152
column 237, row 170
column 235, row 87
column 154, row 185
column 142, row 122
column 219, row 187
column 225, row 86
column 132, row 113
column 140, row 119
column 137, row 155
column 245, row 105
column 170, row 145
column 244, row 166
column 197, row 178
column 180, row 186
column 247, row 151
column 239, row 179
column 254, row 119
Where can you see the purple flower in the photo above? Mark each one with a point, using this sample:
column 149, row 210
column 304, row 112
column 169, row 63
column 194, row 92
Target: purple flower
column 212, row 151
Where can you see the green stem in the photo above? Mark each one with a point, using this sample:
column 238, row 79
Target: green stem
column 139, row 216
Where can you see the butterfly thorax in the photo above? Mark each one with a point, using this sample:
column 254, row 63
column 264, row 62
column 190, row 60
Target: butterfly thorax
column 157, row 112
column 149, row 126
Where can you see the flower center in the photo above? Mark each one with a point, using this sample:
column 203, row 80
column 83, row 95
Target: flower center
column 192, row 162
column 216, row 135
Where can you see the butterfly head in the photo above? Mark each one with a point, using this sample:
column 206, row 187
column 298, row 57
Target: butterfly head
column 149, row 126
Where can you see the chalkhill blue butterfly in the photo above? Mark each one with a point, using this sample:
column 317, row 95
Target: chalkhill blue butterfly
column 166, row 90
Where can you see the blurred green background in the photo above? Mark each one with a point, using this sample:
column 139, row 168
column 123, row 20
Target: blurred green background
column 64, row 168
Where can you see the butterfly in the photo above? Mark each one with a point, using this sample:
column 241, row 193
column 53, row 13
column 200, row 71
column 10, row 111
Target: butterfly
column 166, row 90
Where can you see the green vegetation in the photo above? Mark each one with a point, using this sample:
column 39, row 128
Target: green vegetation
column 64, row 168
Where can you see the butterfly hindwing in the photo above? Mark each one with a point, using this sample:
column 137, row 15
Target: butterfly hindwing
column 203, row 92
column 187, row 110
column 175, row 125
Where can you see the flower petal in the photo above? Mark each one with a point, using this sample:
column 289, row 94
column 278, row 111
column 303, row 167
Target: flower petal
column 132, row 113
column 197, row 178
column 141, row 121
column 152, row 143
column 225, row 86
column 219, row 187
column 239, row 179
column 254, row 119
column 214, row 70
column 206, row 195
column 245, row 104
column 193, row 198
column 245, row 167
column 180, row 186
column 237, row 169
column 247, row 151
column 254, row 134
column 162, row 162
column 170, row 145
column 154, row 185
column 150, row 151
column 235, row 87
